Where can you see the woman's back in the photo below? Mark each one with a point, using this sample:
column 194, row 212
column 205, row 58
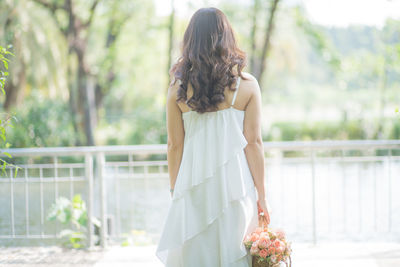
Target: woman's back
column 245, row 91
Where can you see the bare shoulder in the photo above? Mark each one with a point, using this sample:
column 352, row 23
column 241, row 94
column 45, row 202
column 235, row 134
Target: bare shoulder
column 173, row 89
column 248, row 76
column 249, row 84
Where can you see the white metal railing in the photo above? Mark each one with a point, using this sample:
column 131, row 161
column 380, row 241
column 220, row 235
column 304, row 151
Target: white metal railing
column 103, row 174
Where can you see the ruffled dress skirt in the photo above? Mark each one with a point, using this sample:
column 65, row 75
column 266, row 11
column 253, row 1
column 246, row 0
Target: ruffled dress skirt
column 214, row 204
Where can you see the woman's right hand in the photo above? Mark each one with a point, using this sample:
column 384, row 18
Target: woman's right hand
column 263, row 206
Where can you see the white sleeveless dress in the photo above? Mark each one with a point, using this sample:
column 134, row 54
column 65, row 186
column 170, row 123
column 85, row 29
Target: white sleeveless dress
column 214, row 204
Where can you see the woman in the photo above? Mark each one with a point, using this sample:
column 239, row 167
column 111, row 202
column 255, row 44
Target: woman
column 215, row 151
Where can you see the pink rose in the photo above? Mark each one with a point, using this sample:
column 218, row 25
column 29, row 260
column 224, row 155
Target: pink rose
column 276, row 243
column 255, row 243
column 280, row 234
column 265, row 239
column 263, row 253
column 272, row 250
column 262, row 243
column 280, row 249
column 254, row 237
column 264, row 235
column 254, row 250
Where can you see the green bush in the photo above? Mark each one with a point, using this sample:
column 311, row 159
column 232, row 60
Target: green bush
column 71, row 212
column 349, row 130
column 42, row 122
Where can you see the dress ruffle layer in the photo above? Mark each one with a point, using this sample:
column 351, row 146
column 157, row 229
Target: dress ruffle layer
column 214, row 196
column 200, row 162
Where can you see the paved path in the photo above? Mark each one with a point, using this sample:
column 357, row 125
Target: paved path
column 304, row 255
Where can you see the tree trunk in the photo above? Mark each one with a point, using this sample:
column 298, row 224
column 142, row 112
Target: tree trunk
column 90, row 110
column 76, row 34
column 84, row 104
column 381, row 110
column 266, row 46
column 253, row 39
column 14, row 87
column 113, row 32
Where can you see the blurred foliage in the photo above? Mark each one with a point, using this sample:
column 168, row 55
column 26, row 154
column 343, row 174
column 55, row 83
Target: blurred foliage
column 318, row 39
column 71, row 212
column 321, row 130
column 4, row 54
column 136, row 238
column 43, row 122
column 5, row 122
column 145, row 124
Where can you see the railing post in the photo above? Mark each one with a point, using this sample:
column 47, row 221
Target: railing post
column 103, row 206
column 389, row 160
column 26, row 202
column 344, row 201
column 117, row 203
column 41, row 202
column 314, row 220
column 89, row 177
column 12, row 203
column 55, row 162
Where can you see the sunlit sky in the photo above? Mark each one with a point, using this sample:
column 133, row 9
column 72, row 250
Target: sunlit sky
column 345, row 12
column 327, row 12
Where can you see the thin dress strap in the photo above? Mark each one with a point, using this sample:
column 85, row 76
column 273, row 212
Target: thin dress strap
column 235, row 93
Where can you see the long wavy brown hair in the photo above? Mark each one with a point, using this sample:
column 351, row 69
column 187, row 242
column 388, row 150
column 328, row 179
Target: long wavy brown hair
column 209, row 55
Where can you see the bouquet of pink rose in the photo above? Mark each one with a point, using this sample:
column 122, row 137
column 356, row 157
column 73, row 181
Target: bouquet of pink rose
column 268, row 247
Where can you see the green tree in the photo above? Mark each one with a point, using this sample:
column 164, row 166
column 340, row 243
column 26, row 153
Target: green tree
column 4, row 122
